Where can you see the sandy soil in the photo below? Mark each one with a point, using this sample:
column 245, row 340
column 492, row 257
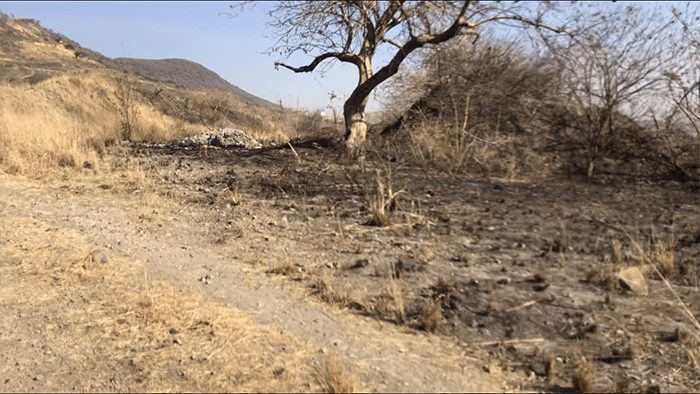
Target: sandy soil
column 525, row 276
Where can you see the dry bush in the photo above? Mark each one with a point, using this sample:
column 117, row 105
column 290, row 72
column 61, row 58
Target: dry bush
column 382, row 201
column 664, row 255
column 333, row 377
column 582, row 376
column 475, row 113
column 430, row 317
column 284, row 267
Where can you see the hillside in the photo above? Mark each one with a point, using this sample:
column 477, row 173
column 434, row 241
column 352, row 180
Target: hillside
column 31, row 53
column 75, row 100
column 186, row 74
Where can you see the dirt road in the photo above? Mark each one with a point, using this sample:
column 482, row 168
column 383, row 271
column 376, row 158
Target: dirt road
column 384, row 357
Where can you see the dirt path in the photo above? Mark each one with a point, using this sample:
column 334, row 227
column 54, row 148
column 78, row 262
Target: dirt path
column 384, row 357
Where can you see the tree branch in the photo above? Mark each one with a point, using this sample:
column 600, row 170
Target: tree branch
column 342, row 56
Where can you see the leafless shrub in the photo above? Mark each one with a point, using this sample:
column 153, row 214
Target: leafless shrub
column 126, row 106
column 683, row 81
column 612, row 64
column 476, row 102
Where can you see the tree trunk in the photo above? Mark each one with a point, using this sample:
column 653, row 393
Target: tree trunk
column 355, row 127
column 354, row 112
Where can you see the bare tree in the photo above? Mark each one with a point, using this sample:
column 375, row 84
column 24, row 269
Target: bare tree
column 615, row 57
column 353, row 31
column 684, row 79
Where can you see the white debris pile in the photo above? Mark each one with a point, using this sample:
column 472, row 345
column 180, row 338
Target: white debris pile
column 224, row 138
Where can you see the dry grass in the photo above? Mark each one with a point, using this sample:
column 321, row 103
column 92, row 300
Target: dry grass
column 377, row 205
column 325, row 290
column 333, row 377
column 174, row 340
column 426, row 254
column 430, row 317
column 582, row 377
column 382, row 201
column 359, row 300
column 68, row 121
column 396, row 295
column 284, row 266
column 436, row 146
column 664, row 255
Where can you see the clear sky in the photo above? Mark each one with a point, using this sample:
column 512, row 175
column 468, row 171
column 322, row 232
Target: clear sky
column 233, row 48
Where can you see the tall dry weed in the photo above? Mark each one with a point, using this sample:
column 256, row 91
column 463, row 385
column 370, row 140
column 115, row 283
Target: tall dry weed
column 333, row 377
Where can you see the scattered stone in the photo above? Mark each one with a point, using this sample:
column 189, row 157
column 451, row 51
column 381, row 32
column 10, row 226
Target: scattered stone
column 633, row 279
column 361, row 263
column 99, row 256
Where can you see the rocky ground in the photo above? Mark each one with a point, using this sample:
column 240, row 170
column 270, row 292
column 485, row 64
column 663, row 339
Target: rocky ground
column 460, row 284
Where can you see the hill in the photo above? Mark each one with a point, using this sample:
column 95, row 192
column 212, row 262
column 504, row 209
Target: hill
column 31, row 53
column 186, row 74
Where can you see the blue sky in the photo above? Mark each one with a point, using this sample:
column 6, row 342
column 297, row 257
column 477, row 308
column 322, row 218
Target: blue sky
column 191, row 30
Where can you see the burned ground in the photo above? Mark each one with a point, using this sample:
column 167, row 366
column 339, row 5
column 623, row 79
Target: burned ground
column 522, row 273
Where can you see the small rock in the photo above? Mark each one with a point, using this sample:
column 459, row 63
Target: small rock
column 361, row 263
column 633, row 279
column 503, row 281
column 538, row 368
column 492, row 368
column 99, row 256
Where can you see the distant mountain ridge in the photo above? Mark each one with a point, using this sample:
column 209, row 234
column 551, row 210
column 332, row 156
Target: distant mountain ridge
column 186, row 74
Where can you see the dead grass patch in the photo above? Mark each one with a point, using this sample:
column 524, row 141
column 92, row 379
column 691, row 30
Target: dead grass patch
column 284, row 266
column 175, row 340
column 430, row 317
column 67, row 121
column 397, row 298
column 359, row 300
column 325, row 290
column 582, row 376
column 333, row 377
column 382, row 201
